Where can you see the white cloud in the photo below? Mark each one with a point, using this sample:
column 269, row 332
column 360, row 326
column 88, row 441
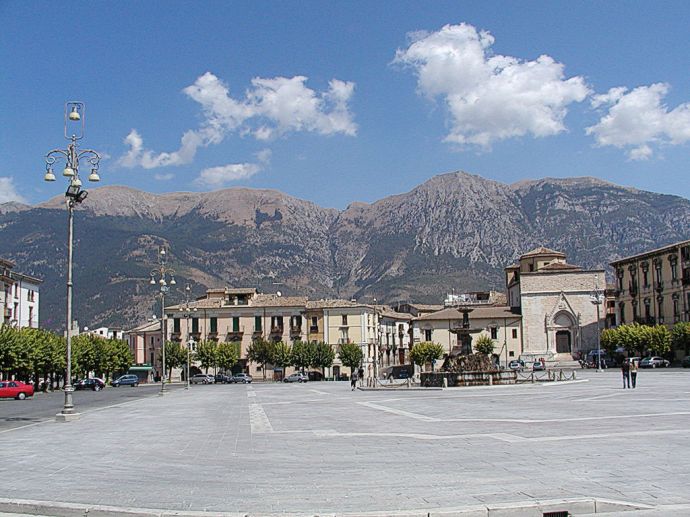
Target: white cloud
column 8, row 191
column 219, row 176
column 490, row 97
column 270, row 108
column 139, row 156
column 639, row 118
column 164, row 177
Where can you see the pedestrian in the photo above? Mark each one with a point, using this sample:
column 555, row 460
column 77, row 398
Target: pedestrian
column 625, row 368
column 353, row 381
column 633, row 372
column 361, row 376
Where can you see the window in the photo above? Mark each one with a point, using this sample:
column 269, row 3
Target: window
column 214, row 325
column 427, row 335
column 235, row 324
column 176, row 325
column 647, row 313
column 621, row 309
column 494, row 333
column 257, row 324
column 676, row 309
column 344, row 319
column 195, row 325
column 619, row 274
column 514, row 333
column 660, row 305
column 657, row 267
column 511, row 354
column 31, row 316
column 674, row 269
column 151, row 340
column 645, row 277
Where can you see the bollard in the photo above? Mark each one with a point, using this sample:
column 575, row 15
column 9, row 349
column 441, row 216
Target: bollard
column 445, row 382
column 491, row 380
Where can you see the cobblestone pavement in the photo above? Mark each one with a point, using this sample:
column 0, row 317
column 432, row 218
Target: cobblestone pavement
column 318, row 448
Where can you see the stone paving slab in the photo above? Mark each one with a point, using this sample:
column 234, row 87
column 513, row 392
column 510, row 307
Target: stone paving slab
column 319, row 448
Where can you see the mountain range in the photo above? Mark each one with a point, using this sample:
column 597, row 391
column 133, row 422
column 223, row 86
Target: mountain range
column 455, row 231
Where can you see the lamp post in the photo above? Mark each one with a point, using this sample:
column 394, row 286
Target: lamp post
column 75, row 115
column 597, row 298
column 187, row 311
column 162, row 272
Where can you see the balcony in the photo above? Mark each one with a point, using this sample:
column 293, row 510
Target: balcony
column 176, row 336
column 212, row 336
column 314, row 329
column 659, row 286
column 295, row 331
column 645, row 321
column 196, row 336
column 344, row 341
column 234, row 336
column 257, row 333
column 276, row 331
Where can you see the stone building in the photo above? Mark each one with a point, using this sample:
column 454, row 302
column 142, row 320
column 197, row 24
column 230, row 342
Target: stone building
column 560, row 319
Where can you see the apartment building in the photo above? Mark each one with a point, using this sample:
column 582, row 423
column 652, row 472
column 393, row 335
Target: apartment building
column 654, row 287
column 239, row 315
column 455, row 328
column 19, row 297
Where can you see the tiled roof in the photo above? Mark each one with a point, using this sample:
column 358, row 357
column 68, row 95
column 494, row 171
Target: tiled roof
column 541, row 250
column 149, row 326
column 490, row 312
column 560, row 266
column 273, row 300
column 334, row 304
column 650, row 253
column 387, row 312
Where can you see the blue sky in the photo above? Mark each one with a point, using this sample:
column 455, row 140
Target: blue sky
column 337, row 102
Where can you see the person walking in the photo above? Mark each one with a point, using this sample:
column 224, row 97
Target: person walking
column 625, row 369
column 353, row 381
column 633, row 372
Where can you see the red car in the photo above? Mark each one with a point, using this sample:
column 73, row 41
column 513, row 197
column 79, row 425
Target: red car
column 15, row 390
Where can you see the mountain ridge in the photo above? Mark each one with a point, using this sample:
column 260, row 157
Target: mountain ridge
column 456, row 230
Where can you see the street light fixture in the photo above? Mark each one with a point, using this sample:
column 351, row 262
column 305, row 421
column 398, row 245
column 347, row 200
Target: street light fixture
column 597, row 298
column 162, row 271
column 187, row 311
column 74, row 112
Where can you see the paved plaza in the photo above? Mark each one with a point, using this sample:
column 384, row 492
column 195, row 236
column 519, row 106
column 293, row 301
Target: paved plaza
column 321, row 449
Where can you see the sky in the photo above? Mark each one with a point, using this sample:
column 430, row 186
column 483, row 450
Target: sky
column 343, row 101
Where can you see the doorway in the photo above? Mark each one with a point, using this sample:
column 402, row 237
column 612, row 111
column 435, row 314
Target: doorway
column 563, row 342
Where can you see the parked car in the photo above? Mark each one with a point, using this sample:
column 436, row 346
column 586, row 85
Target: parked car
column 516, row 365
column 126, row 380
column 538, row 366
column 296, row 377
column 686, row 361
column 221, row 378
column 202, row 378
column 93, row 384
column 15, row 390
column 654, row 362
column 244, row 378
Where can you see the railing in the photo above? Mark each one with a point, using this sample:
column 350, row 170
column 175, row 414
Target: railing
column 314, row 328
column 276, row 330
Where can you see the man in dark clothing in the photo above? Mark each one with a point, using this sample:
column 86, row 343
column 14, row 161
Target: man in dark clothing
column 353, row 381
column 625, row 368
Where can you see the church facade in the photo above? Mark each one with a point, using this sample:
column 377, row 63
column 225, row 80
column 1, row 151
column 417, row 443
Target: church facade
column 562, row 305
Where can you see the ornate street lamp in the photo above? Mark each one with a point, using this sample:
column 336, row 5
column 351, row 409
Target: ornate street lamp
column 187, row 310
column 75, row 115
column 597, row 298
column 162, row 272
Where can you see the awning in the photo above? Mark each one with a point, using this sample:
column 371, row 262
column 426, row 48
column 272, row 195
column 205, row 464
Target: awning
column 141, row 368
